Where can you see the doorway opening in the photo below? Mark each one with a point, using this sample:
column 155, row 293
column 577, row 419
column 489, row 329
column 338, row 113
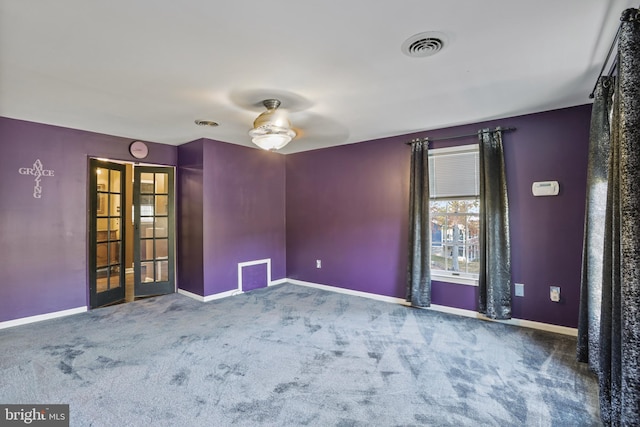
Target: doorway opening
column 131, row 231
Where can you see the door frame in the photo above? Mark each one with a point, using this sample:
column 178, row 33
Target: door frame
column 92, row 225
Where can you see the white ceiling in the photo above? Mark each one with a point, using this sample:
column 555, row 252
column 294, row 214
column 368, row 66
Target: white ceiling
column 146, row 69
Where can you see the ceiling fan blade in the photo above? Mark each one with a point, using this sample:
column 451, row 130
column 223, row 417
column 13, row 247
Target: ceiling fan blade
column 252, row 99
column 313, row 128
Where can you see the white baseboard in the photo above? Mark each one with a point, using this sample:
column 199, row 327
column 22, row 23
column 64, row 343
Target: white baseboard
column 209, row 297
column 564, row 330
column 41, row 317
column 348, row 291
column 443, row 308
column 225, row 294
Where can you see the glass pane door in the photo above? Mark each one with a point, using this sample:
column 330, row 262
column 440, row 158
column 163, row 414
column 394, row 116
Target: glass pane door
column 154, row 230
column 106, row 253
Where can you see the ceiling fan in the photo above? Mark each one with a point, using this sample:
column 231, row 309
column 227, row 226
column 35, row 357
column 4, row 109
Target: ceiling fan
column 274, row 126
column 272, row 129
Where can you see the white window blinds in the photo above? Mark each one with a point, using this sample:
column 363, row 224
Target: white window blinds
column 454, row 172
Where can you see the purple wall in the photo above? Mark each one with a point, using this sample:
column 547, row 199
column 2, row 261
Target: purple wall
column 43, row 255
column 347, row 206
column 189, row 237
column 242, row 213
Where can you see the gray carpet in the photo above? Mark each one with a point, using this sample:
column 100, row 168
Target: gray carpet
column 289, row 356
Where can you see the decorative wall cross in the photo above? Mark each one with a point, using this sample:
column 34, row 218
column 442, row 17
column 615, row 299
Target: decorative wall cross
column 37, row 171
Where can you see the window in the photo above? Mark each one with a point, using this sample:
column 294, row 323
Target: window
column 455, row 210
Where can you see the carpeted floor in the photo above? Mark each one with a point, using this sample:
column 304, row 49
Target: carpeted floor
column 290, row 356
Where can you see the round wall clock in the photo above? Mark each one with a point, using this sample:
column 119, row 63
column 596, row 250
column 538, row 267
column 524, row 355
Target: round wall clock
column 139, row 149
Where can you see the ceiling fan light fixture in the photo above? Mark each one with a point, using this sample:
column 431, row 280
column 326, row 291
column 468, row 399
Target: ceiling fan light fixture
column 272, row 129
column 271, row 142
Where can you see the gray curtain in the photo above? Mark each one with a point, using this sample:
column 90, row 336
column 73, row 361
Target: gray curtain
column 495, row 249
column 593, row 243
column 419, row 270
column 610, row 342
column 619, row 370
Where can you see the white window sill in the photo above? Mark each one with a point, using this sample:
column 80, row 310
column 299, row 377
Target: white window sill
column 449, row 278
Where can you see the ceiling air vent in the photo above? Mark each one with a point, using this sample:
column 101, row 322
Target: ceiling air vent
column 206, row 123
column 424, row 44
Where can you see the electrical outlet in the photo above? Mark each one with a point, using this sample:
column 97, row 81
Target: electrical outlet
column 554, row 293
column 519, row 289
column 318, row 263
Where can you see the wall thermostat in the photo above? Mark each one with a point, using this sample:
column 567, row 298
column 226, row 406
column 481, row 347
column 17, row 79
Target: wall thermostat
column 545, row 188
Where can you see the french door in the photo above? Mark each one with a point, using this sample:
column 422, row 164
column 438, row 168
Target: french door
column 106, row 249
column 153, row 217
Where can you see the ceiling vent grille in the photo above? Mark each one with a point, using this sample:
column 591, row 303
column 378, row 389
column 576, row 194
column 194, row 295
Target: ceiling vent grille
column 424, row 44
column 206, row 123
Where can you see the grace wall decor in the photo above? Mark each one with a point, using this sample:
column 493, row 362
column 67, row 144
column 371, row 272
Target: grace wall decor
column 37, row 171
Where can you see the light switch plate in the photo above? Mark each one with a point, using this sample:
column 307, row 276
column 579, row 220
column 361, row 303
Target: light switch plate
column 519, row 289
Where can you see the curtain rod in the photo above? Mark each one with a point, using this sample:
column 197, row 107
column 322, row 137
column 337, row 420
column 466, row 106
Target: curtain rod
column 606, row 61
column 615, row 60
column 460, row 136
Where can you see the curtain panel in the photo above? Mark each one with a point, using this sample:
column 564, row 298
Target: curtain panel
column 619, row 374
column 614, row 353
column 419, row 268
column 494, row 279
column 594, row 229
